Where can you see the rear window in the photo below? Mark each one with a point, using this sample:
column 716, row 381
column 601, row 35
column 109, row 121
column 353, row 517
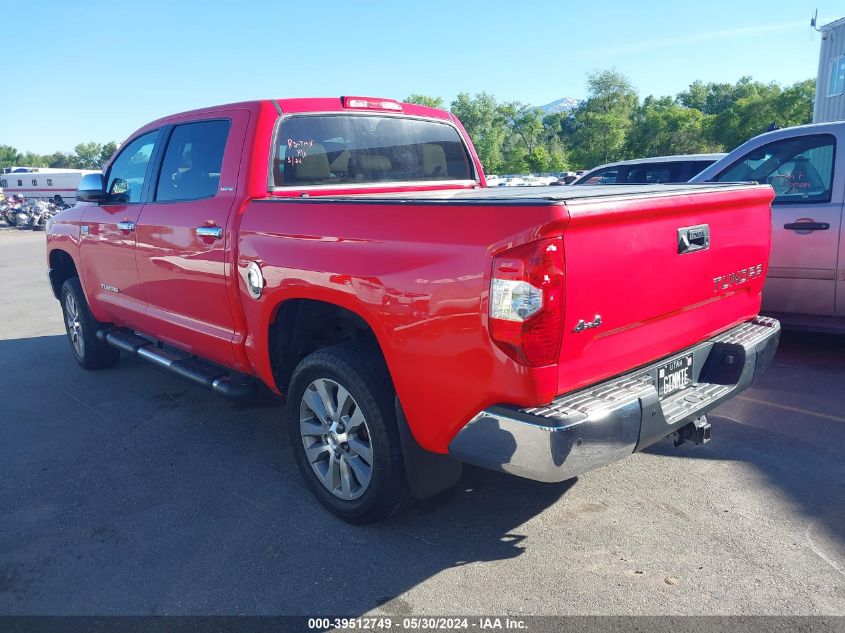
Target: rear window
column 654, row 173
column 357, row 149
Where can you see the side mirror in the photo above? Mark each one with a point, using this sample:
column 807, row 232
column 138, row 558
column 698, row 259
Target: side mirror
column 91, row 189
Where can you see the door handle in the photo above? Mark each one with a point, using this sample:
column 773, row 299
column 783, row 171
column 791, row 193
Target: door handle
column 807, row 226
column 210, row 231
column 126, row 226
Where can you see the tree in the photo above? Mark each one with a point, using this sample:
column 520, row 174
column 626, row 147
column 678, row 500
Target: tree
column 431, row 102
column 106, row 153
column 59, row 159
column 601, row 124
column 663, row 127
column 762, row 106
column 486, row 125
column 87, row 155
column 8, row 156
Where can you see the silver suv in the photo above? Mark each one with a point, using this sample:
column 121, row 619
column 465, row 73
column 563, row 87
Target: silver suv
column 648, row 171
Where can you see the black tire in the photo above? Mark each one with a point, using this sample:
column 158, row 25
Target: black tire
column 92, row 353
column 362, row 373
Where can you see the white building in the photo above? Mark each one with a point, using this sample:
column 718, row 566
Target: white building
column 830, row 82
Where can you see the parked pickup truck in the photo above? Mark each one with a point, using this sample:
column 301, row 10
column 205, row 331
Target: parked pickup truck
column 346, row 253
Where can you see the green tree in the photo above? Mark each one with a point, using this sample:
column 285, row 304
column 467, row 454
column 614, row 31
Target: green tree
column 486, row 126
column 30, row 159
column 763, row 106
column 59, row 159
column 106, row 153
column 9, row 156
column 600, row 126
column 661, row 127
column 431, row 102
column 87, row 155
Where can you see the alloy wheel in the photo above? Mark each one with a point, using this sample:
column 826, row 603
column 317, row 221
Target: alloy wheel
column 336, row 439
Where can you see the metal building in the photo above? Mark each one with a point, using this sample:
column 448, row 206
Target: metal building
column 830, row 82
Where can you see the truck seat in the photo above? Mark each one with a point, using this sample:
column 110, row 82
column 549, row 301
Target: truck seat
column 433, row 160
column 340, row 165
column 365, row 166
column 314, row 166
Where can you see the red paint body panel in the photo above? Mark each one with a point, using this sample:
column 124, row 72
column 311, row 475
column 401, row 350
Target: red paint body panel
column 420, row 277
column 417, row 270
column 185, row 277
column 623, row 264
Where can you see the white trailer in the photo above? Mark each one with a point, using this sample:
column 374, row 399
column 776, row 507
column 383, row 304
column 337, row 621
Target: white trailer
column 42, row 182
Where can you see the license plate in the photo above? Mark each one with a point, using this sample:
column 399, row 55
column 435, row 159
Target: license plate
column 674, row 375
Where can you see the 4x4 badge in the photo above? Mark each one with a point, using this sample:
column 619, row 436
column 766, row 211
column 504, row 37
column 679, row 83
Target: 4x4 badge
column 586, row 325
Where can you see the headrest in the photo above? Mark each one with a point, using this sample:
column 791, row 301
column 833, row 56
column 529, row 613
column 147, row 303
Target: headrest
column 373, row 162
column 314, row 166
column 433, row 160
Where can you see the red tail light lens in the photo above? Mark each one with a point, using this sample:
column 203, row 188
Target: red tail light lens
column 526, row 302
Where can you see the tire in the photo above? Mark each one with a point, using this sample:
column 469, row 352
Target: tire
column 81, row 328
column 349, row 453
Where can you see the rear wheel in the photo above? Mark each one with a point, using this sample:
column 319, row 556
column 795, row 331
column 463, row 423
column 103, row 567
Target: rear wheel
column 342, row 425
column 81, row 328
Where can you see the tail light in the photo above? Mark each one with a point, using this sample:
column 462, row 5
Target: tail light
column 526, row 302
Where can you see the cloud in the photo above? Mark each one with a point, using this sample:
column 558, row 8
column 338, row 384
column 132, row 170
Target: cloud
column 666, row 42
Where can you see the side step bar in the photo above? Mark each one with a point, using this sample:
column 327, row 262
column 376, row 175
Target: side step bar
column 194, row 369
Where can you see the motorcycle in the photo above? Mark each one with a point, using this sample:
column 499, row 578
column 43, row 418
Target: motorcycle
column 35, row 214
column 9, row 208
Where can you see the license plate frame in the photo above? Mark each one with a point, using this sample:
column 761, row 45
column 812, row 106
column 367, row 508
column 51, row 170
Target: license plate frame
column 674, row 375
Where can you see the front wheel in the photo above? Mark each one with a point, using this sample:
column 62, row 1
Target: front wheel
column 342, row 425
column 81, row 328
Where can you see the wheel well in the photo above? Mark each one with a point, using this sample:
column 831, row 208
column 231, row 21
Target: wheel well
column 303, row 326
column 62, row 268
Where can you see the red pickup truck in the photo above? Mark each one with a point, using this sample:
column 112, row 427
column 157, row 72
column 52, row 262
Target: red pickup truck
column 347, row 254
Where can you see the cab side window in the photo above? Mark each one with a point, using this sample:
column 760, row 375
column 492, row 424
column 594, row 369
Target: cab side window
column 192, row 161
column 125, row 179
column 798, row 169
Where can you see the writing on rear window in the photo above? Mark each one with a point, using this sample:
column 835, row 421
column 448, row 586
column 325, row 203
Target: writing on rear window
column 349, row 149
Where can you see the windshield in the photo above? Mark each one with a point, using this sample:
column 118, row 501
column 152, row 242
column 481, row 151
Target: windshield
column 338, row 149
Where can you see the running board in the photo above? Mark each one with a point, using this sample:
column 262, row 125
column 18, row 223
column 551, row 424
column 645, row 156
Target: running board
column 237, row 387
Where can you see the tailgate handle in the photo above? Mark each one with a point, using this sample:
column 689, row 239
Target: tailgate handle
column 693, row 238
column 807, row 226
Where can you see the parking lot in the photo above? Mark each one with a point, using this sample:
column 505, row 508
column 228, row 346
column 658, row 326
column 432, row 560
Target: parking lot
column 127, row 491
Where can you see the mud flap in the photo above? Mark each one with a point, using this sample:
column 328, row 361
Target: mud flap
column 427, row 473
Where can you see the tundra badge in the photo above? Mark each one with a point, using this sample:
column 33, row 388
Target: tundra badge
column 737, row 278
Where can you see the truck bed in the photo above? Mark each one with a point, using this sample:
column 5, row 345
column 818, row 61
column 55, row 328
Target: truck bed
column 535, row 195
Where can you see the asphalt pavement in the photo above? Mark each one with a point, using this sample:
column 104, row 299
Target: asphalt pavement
column 128, row 491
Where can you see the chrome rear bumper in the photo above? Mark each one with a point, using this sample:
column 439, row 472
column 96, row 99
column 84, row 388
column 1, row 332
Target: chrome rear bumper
column 603, row 423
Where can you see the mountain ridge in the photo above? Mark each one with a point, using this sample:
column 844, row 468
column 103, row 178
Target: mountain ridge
column 564, row 104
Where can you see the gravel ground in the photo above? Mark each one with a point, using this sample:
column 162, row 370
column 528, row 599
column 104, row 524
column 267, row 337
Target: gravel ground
column 128, row 491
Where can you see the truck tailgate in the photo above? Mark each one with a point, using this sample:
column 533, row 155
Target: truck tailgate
column 655, row 273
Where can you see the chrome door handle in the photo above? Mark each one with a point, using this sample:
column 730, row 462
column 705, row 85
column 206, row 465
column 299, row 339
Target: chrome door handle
column 126, row 226
column 210, row 231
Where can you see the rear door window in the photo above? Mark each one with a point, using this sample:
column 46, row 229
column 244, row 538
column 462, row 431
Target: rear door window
column 359, row 149
column 799, row 169
column 192, row 162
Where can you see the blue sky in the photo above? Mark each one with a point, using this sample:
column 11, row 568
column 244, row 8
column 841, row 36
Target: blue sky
column 97, row 70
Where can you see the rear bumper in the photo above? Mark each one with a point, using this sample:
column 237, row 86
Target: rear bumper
column 602, row 424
